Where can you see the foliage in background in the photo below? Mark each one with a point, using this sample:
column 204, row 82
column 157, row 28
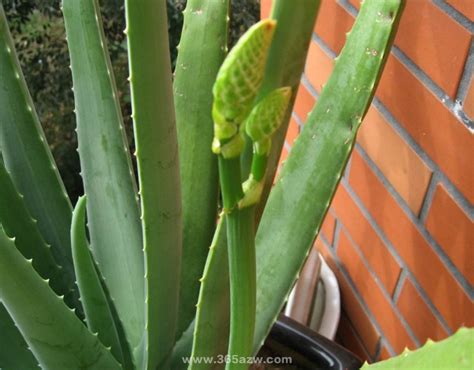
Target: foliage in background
column 40, row 41
column 121, row 240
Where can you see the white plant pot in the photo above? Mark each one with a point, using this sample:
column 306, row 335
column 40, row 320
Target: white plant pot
column 315, row 299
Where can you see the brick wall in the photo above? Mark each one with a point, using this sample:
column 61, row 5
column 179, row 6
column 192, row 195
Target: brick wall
column 399, row 234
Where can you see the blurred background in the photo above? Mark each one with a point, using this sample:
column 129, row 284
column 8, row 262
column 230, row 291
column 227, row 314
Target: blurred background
column 38, row 32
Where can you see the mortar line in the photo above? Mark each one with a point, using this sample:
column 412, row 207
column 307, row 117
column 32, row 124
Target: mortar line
column 467, row 76
column 382, row 343
column 351, row 9
column 455, row 14
column 457, row 194
column 399, row 285
column 325, row 47
column 433, row 166
column 363, row 304
column 445, row 7
column 453, row 106
column 309, row 87
column 347, row 170
column 337, row 235
column 394, row 252
column 298, row 121
column 424, row 297
column 322, row 236
column 378, row 350
column 428, row 199
column 373, row 166
column 419, row 226
column 360, row 342
column 382, row 288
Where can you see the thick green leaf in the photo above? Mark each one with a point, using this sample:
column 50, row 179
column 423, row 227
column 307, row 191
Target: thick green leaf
column 18, row 224
column 14, row 352
column 112, row 208
column 211, row 329
column 28, row 159
column 201, row 51
column 182, row 349
column 301, row 196
column 288, row 49
column 57, row 338
column 158, row 172
column 284, row 67
column 98, row 313
column 455, row 352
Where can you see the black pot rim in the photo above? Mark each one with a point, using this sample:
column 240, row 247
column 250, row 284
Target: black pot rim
column 316, row 350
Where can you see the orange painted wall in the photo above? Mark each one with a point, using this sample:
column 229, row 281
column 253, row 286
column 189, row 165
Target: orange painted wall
column 399, row 234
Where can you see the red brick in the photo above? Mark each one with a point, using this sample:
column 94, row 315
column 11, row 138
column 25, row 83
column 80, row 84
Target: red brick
column 466, row 7
column 435, row 42
column 444, row 138
column 400, row 164
column 293, row 132
column 420, row 318
column 350, row 340
column 328, row 227
column 332, row 24
column 352, row 306
column 355, row 3
column 283, row 156
column 469, row 101
column 384, row 353
column 373, row 296
column 318, row 66
column 440, row 285
column 304, row 103
column 265, row 8
column 374, row 250
column 452, row 228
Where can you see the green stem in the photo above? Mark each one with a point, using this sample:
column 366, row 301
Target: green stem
column 241, row 247
column 241, row 244
column 259, row 166
column 231, row 182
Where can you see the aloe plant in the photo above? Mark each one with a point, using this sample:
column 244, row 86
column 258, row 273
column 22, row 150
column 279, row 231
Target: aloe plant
column 454, row 352
column 137, row 252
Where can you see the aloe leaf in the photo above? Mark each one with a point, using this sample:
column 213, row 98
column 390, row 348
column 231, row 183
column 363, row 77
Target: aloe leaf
column 211, row 328
column 112, row 208
column 454, row 352
column 57, row 338
column 96, row 307
column 182, row 349
column 14, row 352
column 27, row 157
column 285, row 64
column 158, row 171
column 207, row 336
column 201, row 51
column 17, row 221
column 315, row 165
column 288, row 53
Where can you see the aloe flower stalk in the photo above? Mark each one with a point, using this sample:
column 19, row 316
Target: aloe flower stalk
column 236, row 87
